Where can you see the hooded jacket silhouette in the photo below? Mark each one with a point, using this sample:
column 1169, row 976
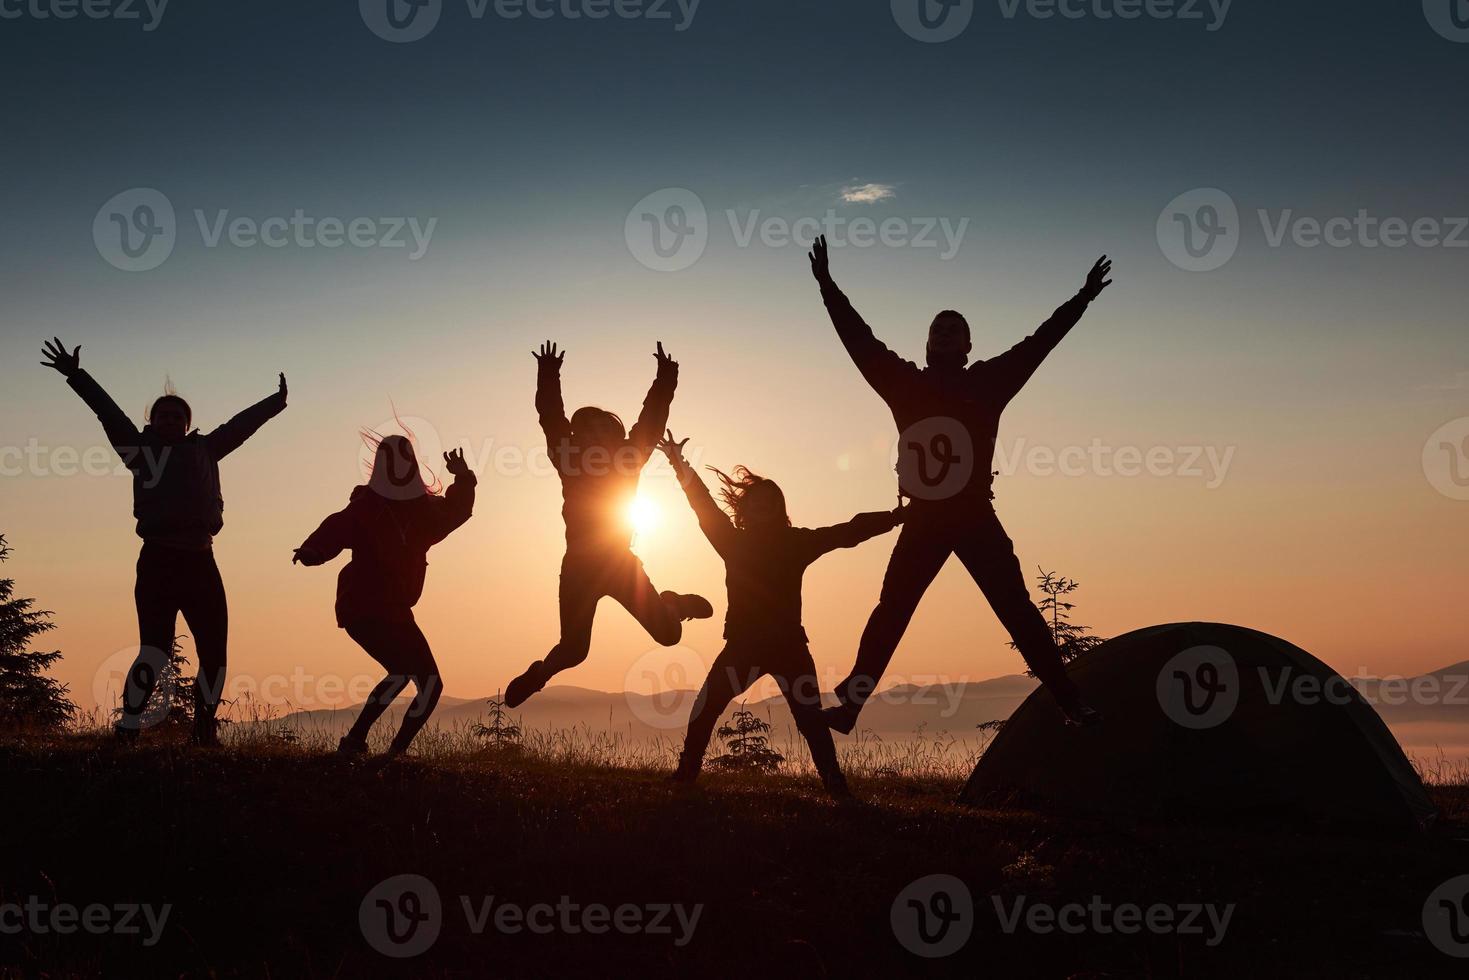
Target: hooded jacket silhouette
column 597, row 482
column 764, row 566
column 973, row 396
column 176, row 490
column 389, row 540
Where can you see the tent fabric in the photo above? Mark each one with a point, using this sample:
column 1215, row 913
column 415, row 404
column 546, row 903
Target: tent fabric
column 1310, row 748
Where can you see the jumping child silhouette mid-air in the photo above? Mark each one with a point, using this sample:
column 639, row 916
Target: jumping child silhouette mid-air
column 179, row 509
column 764, row 560
column 599, row 464
column 389, row 525
column 948, row 414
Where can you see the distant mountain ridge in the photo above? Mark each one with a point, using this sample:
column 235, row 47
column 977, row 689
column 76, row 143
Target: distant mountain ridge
column 1427, row 713
column 937, row 708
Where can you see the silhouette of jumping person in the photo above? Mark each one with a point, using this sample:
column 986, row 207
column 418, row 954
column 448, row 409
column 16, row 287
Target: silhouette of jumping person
column 764, row 561
column 948, row 415
column 389, row 524
column 179, row 509
column 599, row 464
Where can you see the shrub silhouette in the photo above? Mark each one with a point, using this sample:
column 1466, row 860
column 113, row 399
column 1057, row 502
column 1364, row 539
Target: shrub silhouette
column 1072, row 639
column 746, row 745
column 500, row 733
column 29, row 700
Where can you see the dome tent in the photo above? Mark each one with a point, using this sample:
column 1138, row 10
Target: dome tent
column 1207, row 720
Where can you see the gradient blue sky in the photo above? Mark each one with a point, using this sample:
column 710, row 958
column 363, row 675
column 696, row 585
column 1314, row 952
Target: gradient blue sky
column 1325, row 369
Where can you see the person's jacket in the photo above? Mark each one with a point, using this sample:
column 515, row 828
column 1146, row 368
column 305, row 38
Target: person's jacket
column 923, row 400
column 389, row 541
column 763, row 567
column 176, row 492
column 598, row 484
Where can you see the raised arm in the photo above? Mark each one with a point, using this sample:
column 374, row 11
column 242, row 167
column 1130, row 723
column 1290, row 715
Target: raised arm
column 549, row 409
column 654, row 416
column 457, row 504
column 232, row 435
column 1012, row 369
column 119, row 429
column 714, row 522
column 884, row 370
column 853, row 532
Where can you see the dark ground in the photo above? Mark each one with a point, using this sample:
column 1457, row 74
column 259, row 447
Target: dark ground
column 266, row 857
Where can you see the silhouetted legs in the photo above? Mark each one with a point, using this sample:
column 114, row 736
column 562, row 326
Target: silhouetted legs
column 403, row 651
column 990, row 558
column 172, row 581
column 738, row 666
column 585, row 578
column 927, row 539
column 923, row 547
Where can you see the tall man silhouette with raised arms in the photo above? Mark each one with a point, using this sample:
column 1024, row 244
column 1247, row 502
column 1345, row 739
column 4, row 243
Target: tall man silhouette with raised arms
column 948, row 414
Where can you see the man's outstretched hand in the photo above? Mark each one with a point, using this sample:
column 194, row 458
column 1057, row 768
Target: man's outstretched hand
column 59, row 360
column 665, row 363
column 820, row 263
column 283, row 389
column 548, row 357
column 672, row 448
column 1097, row 280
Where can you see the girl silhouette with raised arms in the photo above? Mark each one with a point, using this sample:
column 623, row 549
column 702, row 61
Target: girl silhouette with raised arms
column 764, row 561
column 599, row 464
column 389, row 525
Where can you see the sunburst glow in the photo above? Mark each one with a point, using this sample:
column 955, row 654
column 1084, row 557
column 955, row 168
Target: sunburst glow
column 643, row 515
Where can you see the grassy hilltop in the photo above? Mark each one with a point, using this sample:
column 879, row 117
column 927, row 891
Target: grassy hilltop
column 266, row 850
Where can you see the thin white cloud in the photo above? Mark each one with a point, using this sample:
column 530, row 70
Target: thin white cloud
column 867, row 193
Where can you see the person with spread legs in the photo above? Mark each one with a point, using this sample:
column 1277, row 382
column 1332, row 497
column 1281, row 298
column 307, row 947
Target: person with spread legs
column 389, row 525
column 179, row 509
column 765, row 559
column 599, row 464
column 948, row 414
